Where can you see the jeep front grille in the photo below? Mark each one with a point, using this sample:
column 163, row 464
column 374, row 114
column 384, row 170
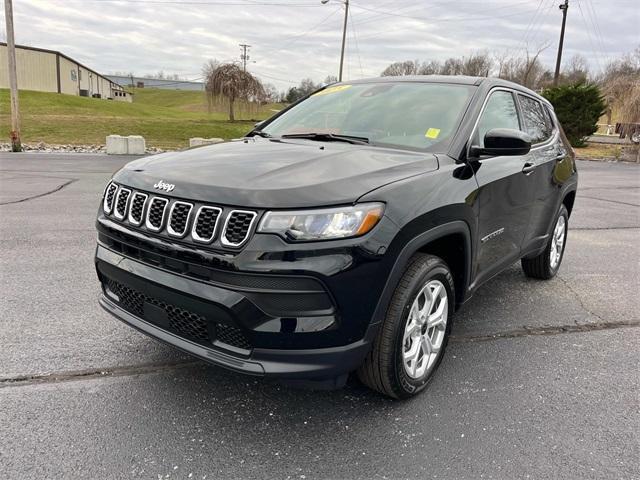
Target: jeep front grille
column 136, row 211
column 237, row 227
column 155, row 214
column 109, row 197
column 179, row 218
column 189, row 222
column 204, row 226
column 122, row 202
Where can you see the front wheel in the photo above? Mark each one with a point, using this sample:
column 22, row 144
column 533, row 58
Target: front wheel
column 547, row 264
column 414, row 333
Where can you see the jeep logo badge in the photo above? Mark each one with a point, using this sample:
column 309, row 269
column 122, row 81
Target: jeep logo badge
column 167, row 187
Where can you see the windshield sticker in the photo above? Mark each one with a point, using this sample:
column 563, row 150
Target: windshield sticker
column 327, row 91
column 432, row 133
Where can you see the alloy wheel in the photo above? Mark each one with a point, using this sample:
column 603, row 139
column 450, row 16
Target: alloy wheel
column 557, row 242
column 425, row 329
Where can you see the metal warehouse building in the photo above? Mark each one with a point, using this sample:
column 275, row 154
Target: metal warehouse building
column 51, row 71
column 146, row 82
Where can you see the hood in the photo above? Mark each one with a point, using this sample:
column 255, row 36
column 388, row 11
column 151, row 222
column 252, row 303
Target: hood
column 275, row 173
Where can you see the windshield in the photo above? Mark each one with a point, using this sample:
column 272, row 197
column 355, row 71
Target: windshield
column 411, row 115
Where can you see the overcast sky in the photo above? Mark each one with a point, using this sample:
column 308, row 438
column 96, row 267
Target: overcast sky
column 294, row 39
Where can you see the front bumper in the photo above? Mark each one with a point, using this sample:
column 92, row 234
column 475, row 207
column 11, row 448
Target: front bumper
column 322, row 364
column 152, row 300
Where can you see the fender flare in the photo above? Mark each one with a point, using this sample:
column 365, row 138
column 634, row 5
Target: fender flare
column 408, row 250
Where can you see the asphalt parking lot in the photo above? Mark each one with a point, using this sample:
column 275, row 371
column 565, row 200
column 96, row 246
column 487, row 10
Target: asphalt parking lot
column 541, row 380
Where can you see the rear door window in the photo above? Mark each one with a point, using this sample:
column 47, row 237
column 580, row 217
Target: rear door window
column 536, row 119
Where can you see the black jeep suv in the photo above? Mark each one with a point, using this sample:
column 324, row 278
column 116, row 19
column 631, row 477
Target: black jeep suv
column 341, row 234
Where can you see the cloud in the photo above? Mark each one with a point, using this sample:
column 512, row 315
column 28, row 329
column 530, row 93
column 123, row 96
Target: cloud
column 294, row 39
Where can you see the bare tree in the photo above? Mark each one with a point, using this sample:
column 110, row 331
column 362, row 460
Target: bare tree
column 228, row 84
column 577, row 70
column 271, row 93
column 477, row 65
column 621, row 87
column 397, row 69
column 452, row 66
column 430, row 68
column 526, row 69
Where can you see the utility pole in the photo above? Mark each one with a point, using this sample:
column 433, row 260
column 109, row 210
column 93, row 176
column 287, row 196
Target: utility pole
column 344, row 37
column 16, row 145
column 344, row 33
column 564, row 7
column 244, row 57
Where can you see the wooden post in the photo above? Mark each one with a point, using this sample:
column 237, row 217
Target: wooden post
column 16, row 145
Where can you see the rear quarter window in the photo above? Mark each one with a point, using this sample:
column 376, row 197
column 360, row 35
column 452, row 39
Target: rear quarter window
column 537, row 121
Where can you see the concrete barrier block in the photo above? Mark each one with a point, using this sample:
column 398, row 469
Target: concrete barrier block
column 199, row 141
column 136, row 145
column 116, row 145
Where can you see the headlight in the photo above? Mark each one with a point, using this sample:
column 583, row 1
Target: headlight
column 325, row 224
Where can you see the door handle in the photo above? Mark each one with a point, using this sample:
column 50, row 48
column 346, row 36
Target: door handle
column 528, row 168
column 560, row 156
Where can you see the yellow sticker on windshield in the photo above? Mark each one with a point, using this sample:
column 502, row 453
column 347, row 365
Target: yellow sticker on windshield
column 432, row 133
column 328, row 90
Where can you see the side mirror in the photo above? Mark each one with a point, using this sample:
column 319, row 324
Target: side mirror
column 502, row 142
column 257, row 125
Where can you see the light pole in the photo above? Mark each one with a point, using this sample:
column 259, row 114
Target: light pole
column 344, row 33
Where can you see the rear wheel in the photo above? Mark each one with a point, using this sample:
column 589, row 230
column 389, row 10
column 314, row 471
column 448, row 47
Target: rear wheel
column 414, row 334
column 547, row 264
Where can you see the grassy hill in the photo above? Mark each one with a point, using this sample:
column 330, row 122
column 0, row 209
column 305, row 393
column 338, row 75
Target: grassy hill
column 166, row 118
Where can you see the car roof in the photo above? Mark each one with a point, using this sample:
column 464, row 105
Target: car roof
column 488, row 82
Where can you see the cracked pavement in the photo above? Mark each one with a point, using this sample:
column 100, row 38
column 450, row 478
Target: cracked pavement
column 540, row 380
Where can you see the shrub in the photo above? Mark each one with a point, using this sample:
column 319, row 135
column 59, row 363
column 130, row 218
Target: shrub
column 578, row 107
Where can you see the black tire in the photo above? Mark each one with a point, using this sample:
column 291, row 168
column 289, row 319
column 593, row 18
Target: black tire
column 540, row 266
column 383, row 369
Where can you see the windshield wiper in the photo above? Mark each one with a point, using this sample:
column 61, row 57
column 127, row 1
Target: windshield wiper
column 329, row 137
column 259, row 133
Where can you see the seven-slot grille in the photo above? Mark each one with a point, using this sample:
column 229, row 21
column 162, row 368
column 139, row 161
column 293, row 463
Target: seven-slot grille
column 179, row 218
column 122, row 201
column 136, row 211
column 109, row 197
column 237, row 226
column 204, row 226
column 155, row 214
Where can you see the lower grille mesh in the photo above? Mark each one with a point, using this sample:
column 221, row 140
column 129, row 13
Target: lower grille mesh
column 232, row 336
column 181, row 321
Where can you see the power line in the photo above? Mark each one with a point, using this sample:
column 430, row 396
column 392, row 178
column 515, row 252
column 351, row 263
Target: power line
column 532, row 22
column 588, row 29
column 355, row 38
column 435, row 21
column 412, row 17
column 246, row 3
column 296, row 37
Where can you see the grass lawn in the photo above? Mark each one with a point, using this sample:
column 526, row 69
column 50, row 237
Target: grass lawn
column 166, row 118
column 599, row 150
